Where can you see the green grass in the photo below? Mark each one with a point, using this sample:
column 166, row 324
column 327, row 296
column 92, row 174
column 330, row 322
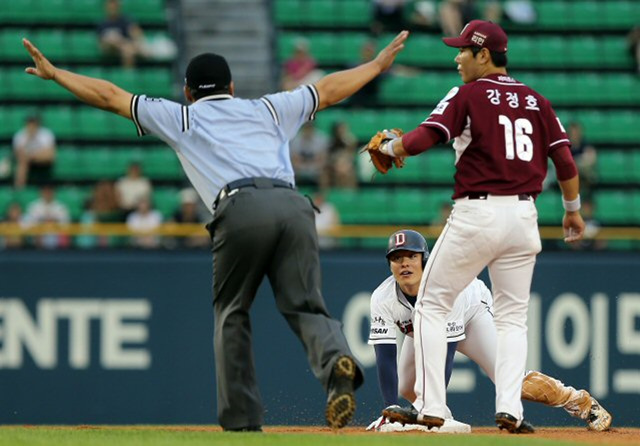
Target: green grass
column 123, row 436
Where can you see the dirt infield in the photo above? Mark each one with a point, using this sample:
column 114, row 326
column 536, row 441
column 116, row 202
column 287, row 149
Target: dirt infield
column 623, row 436
column 616, row 436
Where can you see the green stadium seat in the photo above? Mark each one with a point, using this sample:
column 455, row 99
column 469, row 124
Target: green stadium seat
column 288, row 12
column 86, row 11
column 97, row 164
column 552, row 14
column 22, row 11
column 621, row 14
column 26, row 196
column 74, row 198
column 6, row 92
column 521, row 51
column 127, row 79
column 353, row 13
column 93, row 123
column 161, row 164
column 613, row 166
column 615, row 53
column 11, row 43
column 585, row 14
column 636, row 208
column 156, row 82
column 621, row 89
column 52, row 42
column 375, row 206
column 635, row 169
column 145, row 11
column 349, row 47
column 62, row 121
column 440, row 166
column 411, row 206
column 83, row 46
column 549, row 205
column 68, row 165
column 25, row 86
column 346, row 201
column 324, row 47
column 585, row 51
column 320, row 12
column 6, row 198
column 612, row 207
column 166, row 200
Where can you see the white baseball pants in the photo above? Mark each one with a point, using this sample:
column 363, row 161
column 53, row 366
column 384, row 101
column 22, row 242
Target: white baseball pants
column 501, row 233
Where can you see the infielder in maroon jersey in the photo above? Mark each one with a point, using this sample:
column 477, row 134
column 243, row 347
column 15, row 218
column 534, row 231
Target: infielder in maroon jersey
column 503, row 133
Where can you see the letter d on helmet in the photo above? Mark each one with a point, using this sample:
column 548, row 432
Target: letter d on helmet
column 408, row 240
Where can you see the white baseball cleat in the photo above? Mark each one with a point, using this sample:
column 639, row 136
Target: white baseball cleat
column 450, row 426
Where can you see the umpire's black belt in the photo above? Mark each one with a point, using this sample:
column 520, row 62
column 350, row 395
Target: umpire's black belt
column 257, row 182
column 484, row 195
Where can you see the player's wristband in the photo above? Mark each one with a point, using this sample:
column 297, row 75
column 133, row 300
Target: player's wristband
column 571, row 206
column 387, row 148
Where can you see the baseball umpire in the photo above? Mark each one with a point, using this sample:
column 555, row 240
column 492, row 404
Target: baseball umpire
column 470, row 331
column 236, row 154
column 503, row 132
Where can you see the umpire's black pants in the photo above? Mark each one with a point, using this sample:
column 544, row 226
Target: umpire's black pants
column 258, row 231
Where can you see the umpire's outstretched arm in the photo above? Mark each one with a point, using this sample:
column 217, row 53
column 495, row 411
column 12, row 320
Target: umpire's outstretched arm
column 95, row 92
column 335, row 87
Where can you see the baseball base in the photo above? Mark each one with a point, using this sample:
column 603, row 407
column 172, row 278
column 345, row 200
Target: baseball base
column 450, row 426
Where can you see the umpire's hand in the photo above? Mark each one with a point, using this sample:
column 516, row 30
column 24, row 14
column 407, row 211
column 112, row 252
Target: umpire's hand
column 43, row 69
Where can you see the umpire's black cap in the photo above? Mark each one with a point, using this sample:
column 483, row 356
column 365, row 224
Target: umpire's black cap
column 208, row 71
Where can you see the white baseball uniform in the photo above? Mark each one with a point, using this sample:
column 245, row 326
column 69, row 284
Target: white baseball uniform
column 470, row 323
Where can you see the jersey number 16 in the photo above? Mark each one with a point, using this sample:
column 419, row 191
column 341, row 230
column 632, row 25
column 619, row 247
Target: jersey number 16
column 523, row 144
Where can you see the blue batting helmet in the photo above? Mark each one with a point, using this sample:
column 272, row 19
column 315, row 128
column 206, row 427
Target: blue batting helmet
column 408, row 240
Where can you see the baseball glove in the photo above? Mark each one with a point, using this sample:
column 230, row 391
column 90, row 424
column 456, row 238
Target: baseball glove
column 381, row 161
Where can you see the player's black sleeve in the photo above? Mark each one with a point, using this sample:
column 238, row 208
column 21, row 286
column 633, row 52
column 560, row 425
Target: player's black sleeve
column 448, row 368
column 387, row 372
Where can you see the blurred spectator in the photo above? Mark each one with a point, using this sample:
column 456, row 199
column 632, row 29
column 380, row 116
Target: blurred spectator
column 144, row 219
column 44, row 210
column 585, row 156
column 189, row 213
column 340, row 169
column 388, row 15
column 35, row 150
column 521, row 12
column 102, row 207
column 633, row 41
column 454, row 14
column 327, row 219
column 367, row 96
column 309, row 150
column 105, row 203
column 443, row 214
column 14, row 218
column 424, row 14
column 300, row 68
column 133, row 188
column 120, row 36
column 591, row 230
column 87, row 218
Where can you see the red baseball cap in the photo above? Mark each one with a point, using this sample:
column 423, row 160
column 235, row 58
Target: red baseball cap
column 480, row 34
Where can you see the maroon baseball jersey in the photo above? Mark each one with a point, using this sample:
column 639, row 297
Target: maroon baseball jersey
column 503, row 133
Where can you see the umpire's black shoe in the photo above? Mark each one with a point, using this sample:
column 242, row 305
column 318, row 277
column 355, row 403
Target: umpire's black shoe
column 409, row 415
column 341, row 403
column 509, row 422
column 245, row 429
